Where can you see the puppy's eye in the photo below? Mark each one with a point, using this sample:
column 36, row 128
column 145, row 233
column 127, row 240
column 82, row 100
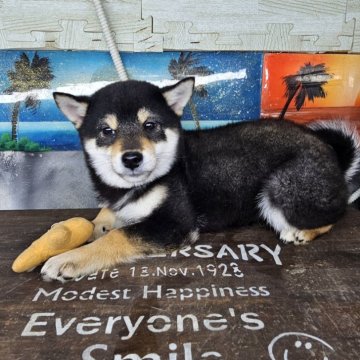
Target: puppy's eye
column 150, row 125
column 107, row 131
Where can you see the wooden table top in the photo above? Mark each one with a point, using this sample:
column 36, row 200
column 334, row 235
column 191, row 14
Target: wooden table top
column 233, row 295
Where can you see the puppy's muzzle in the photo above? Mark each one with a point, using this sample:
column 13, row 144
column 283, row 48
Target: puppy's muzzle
column 132, row 159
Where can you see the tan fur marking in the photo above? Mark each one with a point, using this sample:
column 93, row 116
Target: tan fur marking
column 116, row 148
column 146, row 144
column 143, row 114
column 111, row 249
column 309, row 235
column 104, row 222
column 112, row 121
column 117, row 246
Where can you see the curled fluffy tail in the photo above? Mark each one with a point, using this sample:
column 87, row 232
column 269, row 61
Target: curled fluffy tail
column 345, row 140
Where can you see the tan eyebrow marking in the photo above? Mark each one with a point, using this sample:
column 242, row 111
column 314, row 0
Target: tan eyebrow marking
column 112, row 121
column 143, row 114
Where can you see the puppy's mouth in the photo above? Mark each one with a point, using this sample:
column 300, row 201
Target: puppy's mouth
column 133, row 176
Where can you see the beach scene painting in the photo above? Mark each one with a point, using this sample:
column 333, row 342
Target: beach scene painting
column 228, row 87
column 307, row 87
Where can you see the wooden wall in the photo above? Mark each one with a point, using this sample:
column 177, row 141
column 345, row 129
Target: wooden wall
column 158, row 25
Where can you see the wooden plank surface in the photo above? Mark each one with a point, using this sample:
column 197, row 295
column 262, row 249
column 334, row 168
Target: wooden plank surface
column 233, row 295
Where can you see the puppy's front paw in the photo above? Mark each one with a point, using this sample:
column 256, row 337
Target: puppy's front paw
column 61, row 267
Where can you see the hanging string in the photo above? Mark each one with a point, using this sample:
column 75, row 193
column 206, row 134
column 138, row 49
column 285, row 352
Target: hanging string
column 114, row 52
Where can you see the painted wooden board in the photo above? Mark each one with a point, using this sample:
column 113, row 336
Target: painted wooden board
column 328, row 87
column 157, row 25
column 228, row 88
column 233, row 295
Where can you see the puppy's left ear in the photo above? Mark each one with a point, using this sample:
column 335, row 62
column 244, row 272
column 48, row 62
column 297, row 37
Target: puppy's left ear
column 73, row 107
column 178, row 95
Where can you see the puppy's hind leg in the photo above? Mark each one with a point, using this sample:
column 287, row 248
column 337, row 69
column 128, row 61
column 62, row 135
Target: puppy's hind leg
column 303, row 199
column 275, row 217
column 305, row 236
column 287, row 233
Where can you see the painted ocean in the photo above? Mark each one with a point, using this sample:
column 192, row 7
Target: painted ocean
column 56, row 135
column 60, row 135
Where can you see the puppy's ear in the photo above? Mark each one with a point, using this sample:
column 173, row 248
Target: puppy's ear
column 178, row 95
column 73, row 107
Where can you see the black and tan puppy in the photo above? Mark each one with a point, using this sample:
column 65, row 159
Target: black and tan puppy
column 166, row 185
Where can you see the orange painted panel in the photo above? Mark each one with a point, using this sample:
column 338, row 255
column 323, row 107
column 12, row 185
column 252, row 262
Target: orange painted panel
column 330, row 86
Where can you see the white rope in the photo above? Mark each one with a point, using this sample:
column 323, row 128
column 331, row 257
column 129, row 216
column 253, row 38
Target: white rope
column 114, row 52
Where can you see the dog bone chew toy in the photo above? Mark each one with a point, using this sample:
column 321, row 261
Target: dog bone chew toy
column 61, row 237
column 64, row 236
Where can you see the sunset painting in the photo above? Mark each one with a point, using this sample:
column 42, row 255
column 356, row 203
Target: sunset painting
column 306, row 87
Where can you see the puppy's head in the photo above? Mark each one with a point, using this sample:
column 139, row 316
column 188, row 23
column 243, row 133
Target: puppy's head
column 130, row 130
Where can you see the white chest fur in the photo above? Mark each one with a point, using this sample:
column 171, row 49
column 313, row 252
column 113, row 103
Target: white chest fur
column 141, row 208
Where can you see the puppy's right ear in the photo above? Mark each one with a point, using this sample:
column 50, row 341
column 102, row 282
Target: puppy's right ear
column 73, row 107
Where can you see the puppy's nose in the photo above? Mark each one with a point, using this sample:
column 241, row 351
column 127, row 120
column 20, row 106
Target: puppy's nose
column 132, row 159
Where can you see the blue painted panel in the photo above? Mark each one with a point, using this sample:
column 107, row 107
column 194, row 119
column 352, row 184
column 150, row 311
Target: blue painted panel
column 230, row 91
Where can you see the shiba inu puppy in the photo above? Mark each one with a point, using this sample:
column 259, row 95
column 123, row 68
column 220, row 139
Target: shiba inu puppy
column 165, row 185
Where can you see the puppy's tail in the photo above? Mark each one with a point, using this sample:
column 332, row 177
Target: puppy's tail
column 345, row 140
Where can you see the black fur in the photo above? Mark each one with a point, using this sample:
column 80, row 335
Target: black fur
column 344, row 148
column 231, row 166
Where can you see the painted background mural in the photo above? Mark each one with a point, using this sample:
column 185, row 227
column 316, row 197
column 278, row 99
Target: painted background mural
column 41, row 165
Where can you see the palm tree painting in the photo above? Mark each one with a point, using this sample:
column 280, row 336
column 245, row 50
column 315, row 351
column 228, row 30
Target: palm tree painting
column 26, row 76
column 188, row 64
column 307, row 83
